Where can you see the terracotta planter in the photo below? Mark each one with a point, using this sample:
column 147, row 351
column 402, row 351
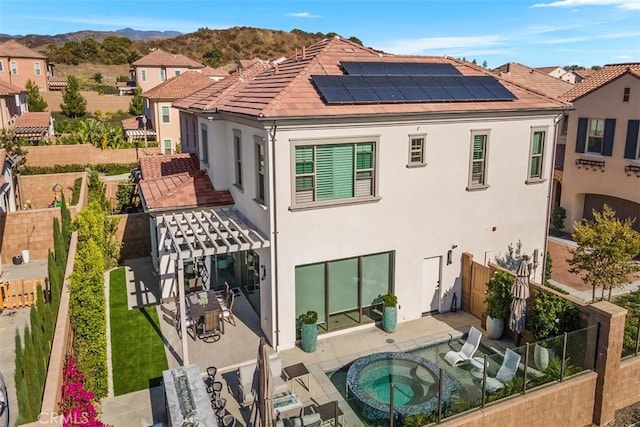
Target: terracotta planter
column 309, row 337
column 389, row 318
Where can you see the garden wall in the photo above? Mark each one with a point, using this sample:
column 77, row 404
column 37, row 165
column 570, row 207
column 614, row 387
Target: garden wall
column 38, row 188
column 51, row 155
column 628, row 386
column 133, row 232
column 95, row 101
column 569, row 403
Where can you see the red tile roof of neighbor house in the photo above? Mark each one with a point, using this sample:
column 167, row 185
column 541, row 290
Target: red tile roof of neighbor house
column 601, row 77
column 532, row 78
column 583, row 74
column 160, row 58
column 176, row 181
column 214, row 72
column 13, row 49
column 135, row 123
column 28, row 120
column 547, row 70
column 179, row 86
column 7, row 88
column 286, row 90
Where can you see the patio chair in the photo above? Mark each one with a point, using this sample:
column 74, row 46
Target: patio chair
column 227, row 312
column 211, row 372
column 228, row 421
column 280, row 386
column 310, row 420
column 177, row 323
column 469, row 348
column 215, row 391
column 245, row 380
column 210, row 328
column 506, row 372
column 223, row 295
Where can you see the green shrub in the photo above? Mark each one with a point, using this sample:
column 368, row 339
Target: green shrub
column 631, row 302
column 75, row 192
column 558, row 215
column 499, row 296
column 45, row 170
column 551, row 316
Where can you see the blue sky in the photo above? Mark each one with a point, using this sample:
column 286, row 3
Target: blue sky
column 535, row 32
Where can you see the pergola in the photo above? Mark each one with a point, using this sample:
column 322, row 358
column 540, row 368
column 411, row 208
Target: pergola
column 198, row 233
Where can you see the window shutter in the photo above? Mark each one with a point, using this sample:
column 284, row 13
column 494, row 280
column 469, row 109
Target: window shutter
column 334, row 171
column 609, row 133
column 631, row 147
column 581, row 138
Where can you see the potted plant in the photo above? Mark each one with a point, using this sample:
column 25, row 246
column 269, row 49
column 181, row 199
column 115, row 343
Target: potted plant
column 551, row 316
column 25, row 252
column 389, row 311
column 309, row 331
column 498, row 299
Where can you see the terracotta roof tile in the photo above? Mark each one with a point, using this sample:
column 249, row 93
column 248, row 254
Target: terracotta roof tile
column 16, row 50
column 286, row 89
column 135, row 123
column 7, row 88
column 183, row 190
column 153, row 167
column 28, row 120
column 583, row 74
column 179, row 86
column 159, row 58
column 605, row 75
column 214, row 72
column 532, row 78
column 547, row 70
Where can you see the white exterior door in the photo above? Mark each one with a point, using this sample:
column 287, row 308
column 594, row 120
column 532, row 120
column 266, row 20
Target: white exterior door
column 431, row 284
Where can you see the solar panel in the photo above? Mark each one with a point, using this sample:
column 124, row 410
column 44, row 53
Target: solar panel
column 365, row 89
column 399, row 69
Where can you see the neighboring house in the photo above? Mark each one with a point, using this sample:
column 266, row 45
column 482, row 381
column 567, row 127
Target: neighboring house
column 354, row 173
column 215, row 74
column 18, row 64
column 13, row 102
column 602, row 147
column 558, row 73
column 158, row 66
column 138, row 128
column 34, row 126
column 162, row 116
column 7, row 183
column 532, row 78
column 583, row 74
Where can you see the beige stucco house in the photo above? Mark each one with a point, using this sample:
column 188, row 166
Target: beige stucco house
column 162, row 116
column 18, row 64
column 602, row 149
column 159, row 66
column 559, row 73
column 7, row 183
column 13, row 103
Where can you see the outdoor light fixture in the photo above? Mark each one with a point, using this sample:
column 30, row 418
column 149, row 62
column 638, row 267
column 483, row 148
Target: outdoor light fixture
column 450, row 253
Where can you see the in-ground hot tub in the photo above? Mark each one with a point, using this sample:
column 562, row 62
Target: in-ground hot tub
column 415, row 381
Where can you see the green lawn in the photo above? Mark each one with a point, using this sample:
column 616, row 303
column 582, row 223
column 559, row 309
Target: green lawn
column 137, row 349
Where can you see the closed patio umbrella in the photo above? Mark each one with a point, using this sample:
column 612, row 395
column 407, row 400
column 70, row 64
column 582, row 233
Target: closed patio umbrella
column 265, row 386
column 520, row 292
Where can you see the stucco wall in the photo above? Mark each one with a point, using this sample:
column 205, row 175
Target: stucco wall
column 133, row 232
column 628, row 385
column 38, row 188
column 95, row 101
column 26, row 71
column 80, row 154
column 165, row 131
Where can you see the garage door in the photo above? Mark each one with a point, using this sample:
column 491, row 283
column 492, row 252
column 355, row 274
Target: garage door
column 624, row 208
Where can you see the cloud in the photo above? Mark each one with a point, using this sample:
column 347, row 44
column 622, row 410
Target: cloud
column 544, row 29
column 591, row 37
column 622, row 4
column 623, row 57
column 303, row 15
column 430, row 44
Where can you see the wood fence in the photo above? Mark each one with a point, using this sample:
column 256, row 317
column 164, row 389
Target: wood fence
column 21, row 293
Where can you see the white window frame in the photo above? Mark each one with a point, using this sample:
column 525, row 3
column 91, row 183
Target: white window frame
column 165, row 116
column 484, row 161
column 163, row 74
column 37, row 68
column 375, row 171
column 13, row 66
column 143, row 75
column 164, row 146
column 204, row 144
column 594, row 136
column 237, row 158
column 261, row 169
column 417, row 145
column 540, row 178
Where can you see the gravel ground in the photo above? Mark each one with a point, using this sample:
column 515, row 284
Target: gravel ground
column 627, row 417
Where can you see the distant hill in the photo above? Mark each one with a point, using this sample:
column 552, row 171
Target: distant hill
column 143, row 35
column 39, row 40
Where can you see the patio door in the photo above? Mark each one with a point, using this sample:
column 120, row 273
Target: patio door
column 431, row 284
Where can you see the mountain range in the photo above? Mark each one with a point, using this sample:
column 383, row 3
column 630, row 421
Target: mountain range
column 35, row 40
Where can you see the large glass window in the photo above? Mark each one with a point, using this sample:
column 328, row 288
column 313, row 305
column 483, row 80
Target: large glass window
column 165, row 114
column 237, row 156
column 334, row 171
column 344, row 292
column 596, row 136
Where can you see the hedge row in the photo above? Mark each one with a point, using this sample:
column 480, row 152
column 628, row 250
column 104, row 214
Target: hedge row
column 105, row 168
column 34, row 348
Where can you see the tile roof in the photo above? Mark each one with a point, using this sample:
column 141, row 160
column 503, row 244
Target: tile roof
column 214, row 72
column 583, row 74
column 183, row 190
column 135, row 123
column 538, row 81
column 28, row 120
column 559, row 157
column 286, row 90
column 603, row 76
column 12, row 48
column 160, row 58
column 179, row 86
column 7, row 88
column 547, row 70
column 153, row 167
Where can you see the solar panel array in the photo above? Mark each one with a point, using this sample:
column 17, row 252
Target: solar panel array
column 399, row 69
column 370, row 89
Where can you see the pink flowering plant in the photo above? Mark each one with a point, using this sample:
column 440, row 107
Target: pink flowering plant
column 77, row 403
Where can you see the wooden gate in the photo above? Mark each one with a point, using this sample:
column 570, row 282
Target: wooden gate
column 474, row 285
column 20, row 293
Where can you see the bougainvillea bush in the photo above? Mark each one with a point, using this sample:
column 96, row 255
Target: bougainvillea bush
column 77, row 403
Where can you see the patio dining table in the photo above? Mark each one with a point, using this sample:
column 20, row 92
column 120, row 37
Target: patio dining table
column 199, row 303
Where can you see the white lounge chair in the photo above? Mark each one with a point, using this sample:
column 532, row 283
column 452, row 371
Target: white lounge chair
column 246, row 374
column 468, row 349
column 280, row 386
column 506, row 372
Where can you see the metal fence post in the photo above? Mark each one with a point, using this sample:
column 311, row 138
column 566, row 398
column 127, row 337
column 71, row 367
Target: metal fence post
column 391, row 409
column 484, row 383
column 439, row 397
column 564, row 356
column 595, row 353
column 526, row 365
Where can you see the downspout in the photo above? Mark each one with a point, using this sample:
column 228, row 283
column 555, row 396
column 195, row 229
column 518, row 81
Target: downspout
column 274, row 231
column 556, row 122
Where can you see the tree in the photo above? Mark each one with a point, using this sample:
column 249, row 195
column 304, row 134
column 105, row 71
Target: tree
column 558, row 215
column 35, row 101
column 13, row 145
column 135, row 105
column 606, row 246
column 74, row 104
column 355, row 40
column 213, row 57
column 485, row 64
